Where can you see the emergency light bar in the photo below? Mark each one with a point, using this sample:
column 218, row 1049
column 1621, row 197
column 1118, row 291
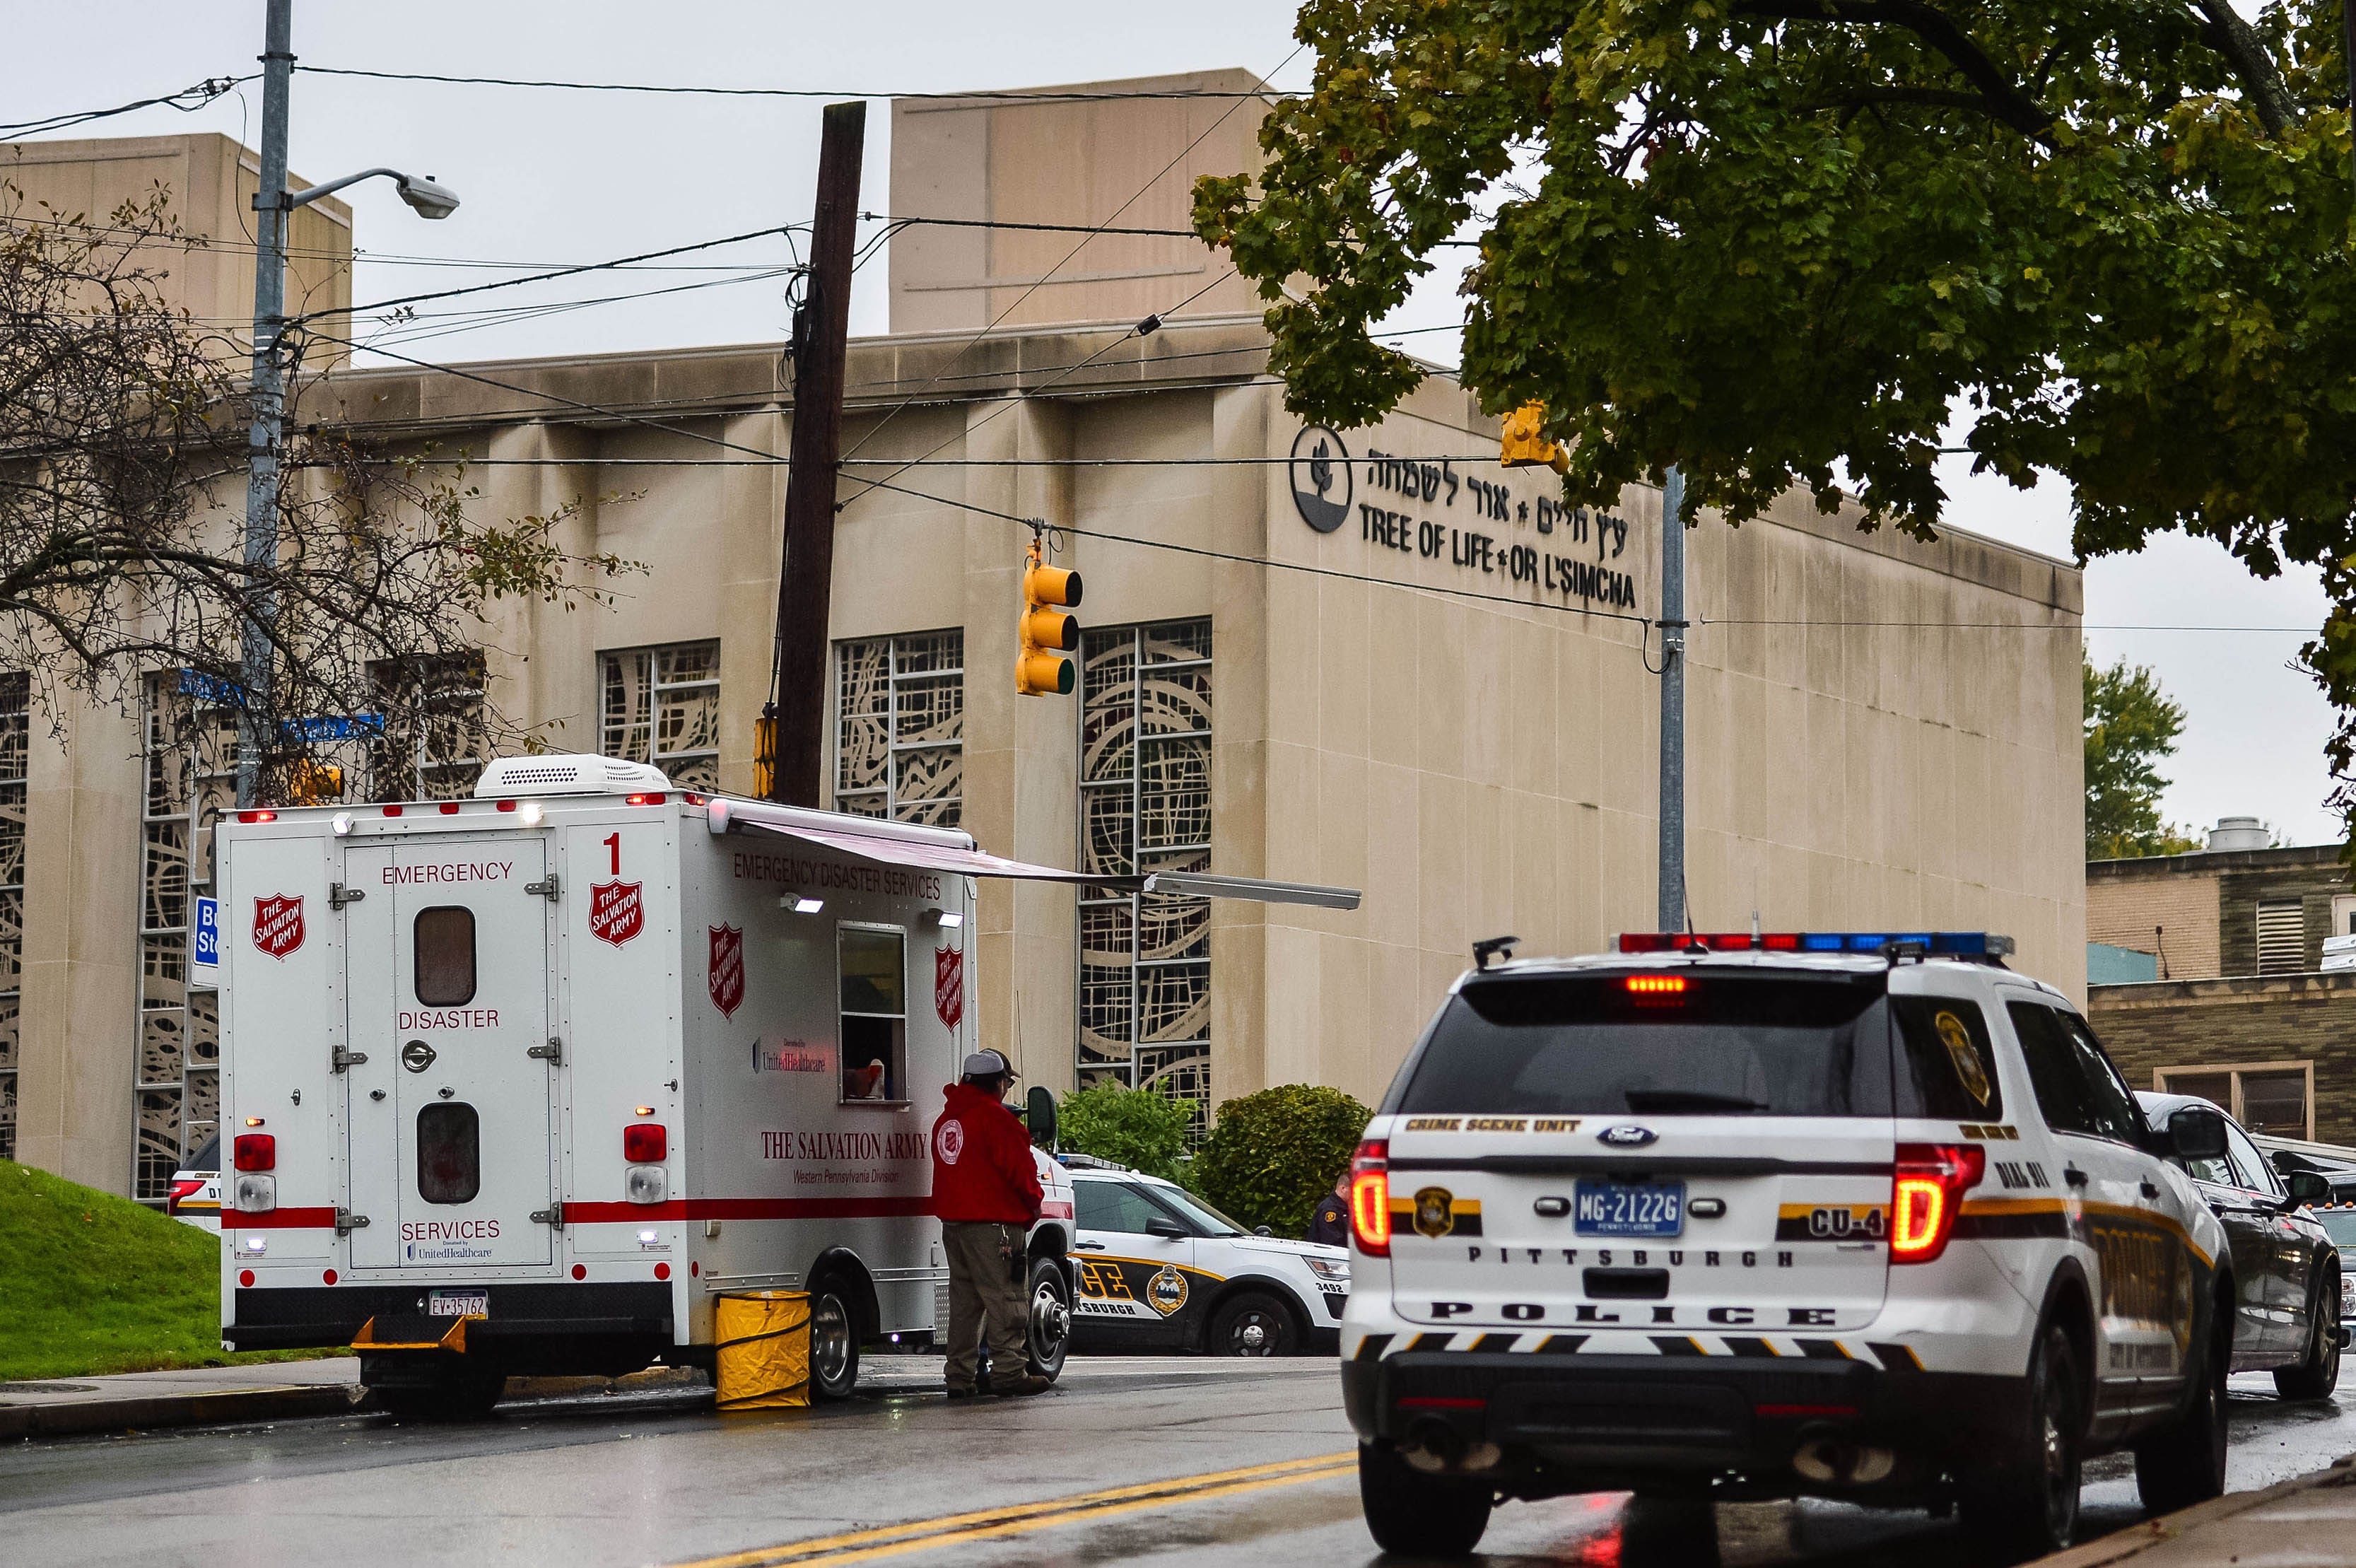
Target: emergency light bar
column 1937, row 944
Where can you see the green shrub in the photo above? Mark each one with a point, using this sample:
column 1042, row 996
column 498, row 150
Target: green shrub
column 1273, row 1154
column 1136, row 1127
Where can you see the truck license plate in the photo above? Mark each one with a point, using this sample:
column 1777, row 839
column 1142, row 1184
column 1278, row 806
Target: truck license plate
column 1631, row 1209
column 458, row 1303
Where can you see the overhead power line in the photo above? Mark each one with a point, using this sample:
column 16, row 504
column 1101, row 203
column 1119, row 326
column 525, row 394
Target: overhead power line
column 187, row 101
column 1015, row 95
column 1076, row 227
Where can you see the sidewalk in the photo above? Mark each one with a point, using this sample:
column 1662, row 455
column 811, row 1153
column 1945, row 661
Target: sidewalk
column 196, row 1397
column 2305, row 1522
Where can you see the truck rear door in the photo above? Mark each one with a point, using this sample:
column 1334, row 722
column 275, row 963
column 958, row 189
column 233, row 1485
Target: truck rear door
column 1707, row 1150
column 446, row 997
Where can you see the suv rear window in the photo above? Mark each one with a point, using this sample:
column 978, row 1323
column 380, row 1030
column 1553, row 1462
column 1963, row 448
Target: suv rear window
column 1728, row 1044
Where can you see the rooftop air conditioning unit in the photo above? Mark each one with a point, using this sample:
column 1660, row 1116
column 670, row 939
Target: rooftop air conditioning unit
column 576, row 775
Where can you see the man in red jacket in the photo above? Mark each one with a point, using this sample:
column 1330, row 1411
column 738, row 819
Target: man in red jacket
column 986, row 1193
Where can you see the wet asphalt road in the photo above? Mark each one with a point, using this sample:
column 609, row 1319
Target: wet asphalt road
column 589, row 1481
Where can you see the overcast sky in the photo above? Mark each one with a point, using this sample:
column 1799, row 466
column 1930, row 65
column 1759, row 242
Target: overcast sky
column 556, row 177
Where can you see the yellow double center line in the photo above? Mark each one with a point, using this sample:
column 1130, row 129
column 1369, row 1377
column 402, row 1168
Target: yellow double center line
column 1020, row 1518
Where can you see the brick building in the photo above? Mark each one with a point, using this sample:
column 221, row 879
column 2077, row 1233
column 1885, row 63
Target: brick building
column 2243, row 1012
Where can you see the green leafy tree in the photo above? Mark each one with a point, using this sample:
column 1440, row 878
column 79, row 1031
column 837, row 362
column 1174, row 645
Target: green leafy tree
column 2131, row 724
column 1779, row 243
column 1273, row 1154
column 1136, row 1127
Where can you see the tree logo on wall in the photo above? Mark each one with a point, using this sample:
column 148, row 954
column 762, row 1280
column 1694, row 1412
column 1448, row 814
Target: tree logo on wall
column 1321, row 477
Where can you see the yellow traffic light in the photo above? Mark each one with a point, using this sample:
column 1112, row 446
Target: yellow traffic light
column 1047, row 632
column 310, row 783
column 1526, row 443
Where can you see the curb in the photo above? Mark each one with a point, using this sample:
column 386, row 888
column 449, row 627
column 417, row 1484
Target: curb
column 2123, row 1544
column 233, row 1405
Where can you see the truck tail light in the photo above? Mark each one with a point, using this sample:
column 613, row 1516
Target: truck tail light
column 1370, row 1197
column 185, row 1187
column 255, row 1192
column 1925, row 1195
column 257, row 1151
column 645, row 1142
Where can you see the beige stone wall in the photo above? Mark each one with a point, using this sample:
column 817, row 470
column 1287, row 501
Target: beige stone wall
column 2133, row 912
column 1125, row 164
column 212, row 181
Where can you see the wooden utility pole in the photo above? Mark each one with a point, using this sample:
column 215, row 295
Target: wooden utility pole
column 799, row 668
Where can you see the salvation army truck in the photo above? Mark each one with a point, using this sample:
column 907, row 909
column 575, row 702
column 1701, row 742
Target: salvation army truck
column 522, row 1083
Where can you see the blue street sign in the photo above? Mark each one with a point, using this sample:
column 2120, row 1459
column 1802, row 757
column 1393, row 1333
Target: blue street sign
column 205, row 933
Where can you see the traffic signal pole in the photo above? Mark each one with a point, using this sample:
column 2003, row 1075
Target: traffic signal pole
column 271, row 212
column 1673, row 702
column 797, row 723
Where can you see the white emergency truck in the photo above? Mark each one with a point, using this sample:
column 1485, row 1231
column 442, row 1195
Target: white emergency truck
column 1860, row 1215
column 520, row 1084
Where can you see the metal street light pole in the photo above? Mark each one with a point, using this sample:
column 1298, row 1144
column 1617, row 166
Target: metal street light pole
column 274, row 206
column 1673, row 702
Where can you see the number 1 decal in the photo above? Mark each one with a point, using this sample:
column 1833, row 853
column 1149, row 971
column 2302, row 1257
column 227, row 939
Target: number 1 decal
column 613, row 840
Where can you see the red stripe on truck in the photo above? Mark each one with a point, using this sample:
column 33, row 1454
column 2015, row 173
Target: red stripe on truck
column 277, row 1219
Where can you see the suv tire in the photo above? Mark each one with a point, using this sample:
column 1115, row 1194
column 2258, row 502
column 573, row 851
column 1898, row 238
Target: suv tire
column 2027, row 1506
column 2185, row 1464
column 1418, row 1515
column 1252, row 1323
column 2316, row 1373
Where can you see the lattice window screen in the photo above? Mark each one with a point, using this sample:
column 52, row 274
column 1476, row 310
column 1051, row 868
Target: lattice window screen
column 899, row 728
column 1145, row 805
column 662, row 705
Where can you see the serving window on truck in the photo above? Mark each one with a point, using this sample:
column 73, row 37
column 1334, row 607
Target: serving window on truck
column 871, row 962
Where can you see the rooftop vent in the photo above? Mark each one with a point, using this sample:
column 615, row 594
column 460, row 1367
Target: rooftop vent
column 580, row 775
column 2240, row 832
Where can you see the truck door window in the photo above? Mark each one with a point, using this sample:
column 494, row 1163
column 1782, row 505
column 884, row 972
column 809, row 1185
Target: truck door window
column 449, row 1153
column 874, row 968
column 443, row 958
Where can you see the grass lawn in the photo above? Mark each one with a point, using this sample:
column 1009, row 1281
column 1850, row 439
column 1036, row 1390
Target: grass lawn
column 94, row 1283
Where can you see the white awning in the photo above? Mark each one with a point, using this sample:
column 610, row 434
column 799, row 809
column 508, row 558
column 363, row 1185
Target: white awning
column 933, row 849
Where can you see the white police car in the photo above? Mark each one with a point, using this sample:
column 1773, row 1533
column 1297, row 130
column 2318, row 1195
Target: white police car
column 1864, row 1215
column 1157, row 1268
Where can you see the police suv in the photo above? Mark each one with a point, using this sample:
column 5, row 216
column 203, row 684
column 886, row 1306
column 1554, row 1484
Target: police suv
column 1858, row 1215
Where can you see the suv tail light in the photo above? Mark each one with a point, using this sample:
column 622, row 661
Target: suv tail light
column 1925, row 1194
column 185, row 1187
column 1370, row 1197
column 257, row 1151
column 645, row 1142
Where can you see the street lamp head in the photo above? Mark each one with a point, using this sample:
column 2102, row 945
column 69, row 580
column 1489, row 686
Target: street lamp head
column 425, row 198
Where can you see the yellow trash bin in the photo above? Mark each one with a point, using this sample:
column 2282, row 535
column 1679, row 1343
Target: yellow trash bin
column 764, row 1340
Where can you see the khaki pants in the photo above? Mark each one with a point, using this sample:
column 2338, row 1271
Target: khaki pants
column 987, row 1269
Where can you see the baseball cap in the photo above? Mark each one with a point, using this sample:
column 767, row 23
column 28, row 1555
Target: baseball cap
column 989, row 1064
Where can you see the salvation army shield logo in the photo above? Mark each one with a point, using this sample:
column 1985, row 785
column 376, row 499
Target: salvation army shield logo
column 726, row 979
column 278, row 925
column 615, row 912
column 948, row 985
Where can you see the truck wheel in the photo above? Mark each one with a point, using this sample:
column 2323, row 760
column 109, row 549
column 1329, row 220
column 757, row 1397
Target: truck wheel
column 834, row 1341
column 2028, row 1505
column 1251, row 1323
column 2318, row 1371
column 2185, row 1464
column 1418, row 1515
column 1048, row 1332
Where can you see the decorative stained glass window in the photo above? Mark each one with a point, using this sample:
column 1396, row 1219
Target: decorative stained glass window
column 899, row 728
column 1145, row 806
column 662, row 705
column 15, row 735
column 191, row 779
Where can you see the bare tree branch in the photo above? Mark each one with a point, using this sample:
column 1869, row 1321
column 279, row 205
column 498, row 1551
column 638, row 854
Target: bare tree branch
column 1999, row 96
column 2262, row 84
